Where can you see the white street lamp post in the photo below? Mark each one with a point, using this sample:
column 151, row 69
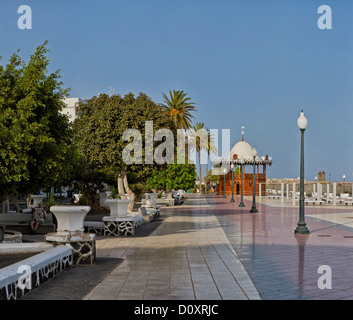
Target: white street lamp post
column 241, row 204
column 253, row 208
column 301, row 227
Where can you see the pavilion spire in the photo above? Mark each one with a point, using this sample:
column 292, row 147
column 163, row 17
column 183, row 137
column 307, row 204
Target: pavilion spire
column 242, row 133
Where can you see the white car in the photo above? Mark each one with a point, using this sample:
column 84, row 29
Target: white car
column 63, row 194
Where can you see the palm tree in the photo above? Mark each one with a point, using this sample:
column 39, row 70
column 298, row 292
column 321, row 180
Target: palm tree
column 201, row 139
column 179, row 107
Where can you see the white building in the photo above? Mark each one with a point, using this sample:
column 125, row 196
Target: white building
column 70, row 109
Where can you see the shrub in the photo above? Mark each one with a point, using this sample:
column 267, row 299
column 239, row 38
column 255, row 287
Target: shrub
column 50, row 202
column 84, row 201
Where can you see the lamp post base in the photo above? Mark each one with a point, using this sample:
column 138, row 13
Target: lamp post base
column 253, row 209
column 241, row 204
column 232, row 200
column 301, row 229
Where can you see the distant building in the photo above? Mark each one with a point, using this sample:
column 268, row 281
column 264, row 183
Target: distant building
column 71, row 105
column 322, row 176
column 242, row 149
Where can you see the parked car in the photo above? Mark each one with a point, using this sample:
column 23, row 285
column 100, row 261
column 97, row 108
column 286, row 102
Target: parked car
column 64, row 194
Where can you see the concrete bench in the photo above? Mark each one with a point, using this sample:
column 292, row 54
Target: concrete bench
column 96, row 227
column 152, row 208
column 38, row 268
column 169, row 201
column 314, row 201
column 338, row 200
column 21, row 222
column 273, row 196
column 148, row 214
column 117, row 226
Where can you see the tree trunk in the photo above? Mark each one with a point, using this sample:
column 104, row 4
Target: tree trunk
column 93, row 197
column 5, row 206
column 121, row 185
column 206, row 182
column 15, row 202
column 199, row 152
column 28, row 200
column 131, row 195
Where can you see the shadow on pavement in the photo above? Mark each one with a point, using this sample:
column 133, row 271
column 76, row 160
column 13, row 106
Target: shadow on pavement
column 75, row 282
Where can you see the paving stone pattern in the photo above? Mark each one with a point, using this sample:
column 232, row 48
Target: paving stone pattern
column 187, row 257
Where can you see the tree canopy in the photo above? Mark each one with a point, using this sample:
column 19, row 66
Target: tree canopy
column 35, row 138
column 100, row 128
column 175, row 176
column 179, row 107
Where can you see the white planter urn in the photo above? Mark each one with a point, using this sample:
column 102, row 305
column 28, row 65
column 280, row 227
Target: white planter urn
column 102, row 199
column 70, row 232
column 70, row 218
column 151, row 198
column 118, row 207
column 37, row 199
column 169, row 195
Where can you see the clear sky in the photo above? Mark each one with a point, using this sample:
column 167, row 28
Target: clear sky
column 252, row 63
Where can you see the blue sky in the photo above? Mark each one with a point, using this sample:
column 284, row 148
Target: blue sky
column 244, row 63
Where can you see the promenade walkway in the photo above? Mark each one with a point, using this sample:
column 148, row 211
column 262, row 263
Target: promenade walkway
column 187, row 257
column 210, row 248
column 285, row 266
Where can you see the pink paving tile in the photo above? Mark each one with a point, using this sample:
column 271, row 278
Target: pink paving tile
column 273, row 255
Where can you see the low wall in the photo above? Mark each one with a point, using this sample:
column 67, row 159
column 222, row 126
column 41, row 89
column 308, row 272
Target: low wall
column 309, row 187
column 21, row 277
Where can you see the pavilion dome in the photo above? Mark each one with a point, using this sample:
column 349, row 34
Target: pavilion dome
column 242, row 149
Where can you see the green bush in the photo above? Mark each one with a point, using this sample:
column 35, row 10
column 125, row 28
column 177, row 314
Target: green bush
column 115, row 193
column 84, row 201
column 139, row 189
column 50, row 202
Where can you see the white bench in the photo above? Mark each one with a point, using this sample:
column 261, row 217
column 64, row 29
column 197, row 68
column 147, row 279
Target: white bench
column 169, row 201
column 148, row 214
column 96, row 227
column 40, row 267
column 273, row 196
column 117, row 226
column 152, row 207
column 314, row 201
column 21, row 222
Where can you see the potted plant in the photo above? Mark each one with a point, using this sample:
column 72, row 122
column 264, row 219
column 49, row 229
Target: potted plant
column 118, row 206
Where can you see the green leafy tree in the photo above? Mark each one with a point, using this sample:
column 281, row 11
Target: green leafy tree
column 35, row 138
column 175, row 176
column 99, row 130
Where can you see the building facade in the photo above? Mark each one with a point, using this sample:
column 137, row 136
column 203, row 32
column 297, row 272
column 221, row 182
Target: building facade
column 70, row 108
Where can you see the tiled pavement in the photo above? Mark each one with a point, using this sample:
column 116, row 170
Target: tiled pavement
column 212, row 249
column 187, row 257
column 286, row 266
